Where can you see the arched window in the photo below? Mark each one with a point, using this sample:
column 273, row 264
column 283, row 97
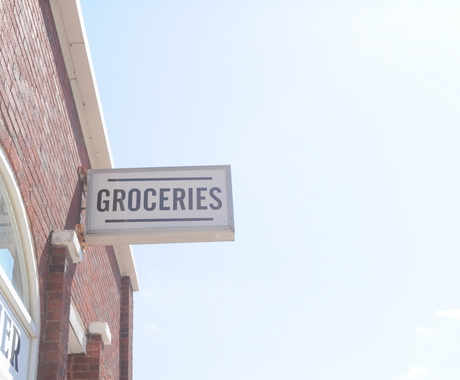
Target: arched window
column 12, row 264
column 19, row 297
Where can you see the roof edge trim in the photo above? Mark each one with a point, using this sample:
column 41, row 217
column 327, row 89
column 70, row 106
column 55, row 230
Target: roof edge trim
column 77, row 58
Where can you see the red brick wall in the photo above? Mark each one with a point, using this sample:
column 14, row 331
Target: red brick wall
column 89, row 366
column 96, row 293
column 41, row 135
column 126, row 330
column 52, row 358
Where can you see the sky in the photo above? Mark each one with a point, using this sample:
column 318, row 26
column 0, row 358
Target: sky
column 340, row 120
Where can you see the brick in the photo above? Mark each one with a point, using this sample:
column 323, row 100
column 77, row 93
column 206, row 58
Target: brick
column 84, row 367
column 42, row 138
column 53, row 336
column 48, row 367
column 51, row 356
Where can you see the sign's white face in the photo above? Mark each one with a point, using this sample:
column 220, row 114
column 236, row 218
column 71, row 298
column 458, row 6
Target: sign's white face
column 159, row 201
column 14, row 345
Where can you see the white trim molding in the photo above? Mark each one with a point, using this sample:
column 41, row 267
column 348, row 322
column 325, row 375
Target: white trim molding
column 77, row 332
column 27, row 315
column 102, row 329
column 69, row 239
column 75, row 49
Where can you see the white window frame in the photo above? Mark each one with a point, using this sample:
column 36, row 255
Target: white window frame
column 29, row 320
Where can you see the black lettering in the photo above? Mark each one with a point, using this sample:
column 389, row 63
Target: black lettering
column 137, row 206
column 213, row 196
column 200, row 198
column 103, row 205
column 6, row 333
column 146, row 199
column 163, row 198
column 190, row 198
column 15, row 348
column 178, row 199
column 119, row 196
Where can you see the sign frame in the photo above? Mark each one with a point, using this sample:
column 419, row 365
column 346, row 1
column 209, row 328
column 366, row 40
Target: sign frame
column 158, row 235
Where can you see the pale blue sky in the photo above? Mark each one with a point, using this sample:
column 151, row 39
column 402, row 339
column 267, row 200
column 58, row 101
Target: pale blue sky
column 341, row 122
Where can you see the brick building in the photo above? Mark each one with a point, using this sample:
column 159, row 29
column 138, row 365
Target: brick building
column 66, row 310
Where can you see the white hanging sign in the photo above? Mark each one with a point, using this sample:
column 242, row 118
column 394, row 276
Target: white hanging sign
column 159, row 205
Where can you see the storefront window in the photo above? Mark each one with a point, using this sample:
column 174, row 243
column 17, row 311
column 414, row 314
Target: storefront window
column 19, row 297
column 11, row 252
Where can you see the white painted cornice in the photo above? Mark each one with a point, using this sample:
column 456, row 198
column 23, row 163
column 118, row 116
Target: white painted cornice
column 75, row 50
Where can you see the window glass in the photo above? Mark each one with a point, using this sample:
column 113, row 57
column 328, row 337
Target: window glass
column 11, row 252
